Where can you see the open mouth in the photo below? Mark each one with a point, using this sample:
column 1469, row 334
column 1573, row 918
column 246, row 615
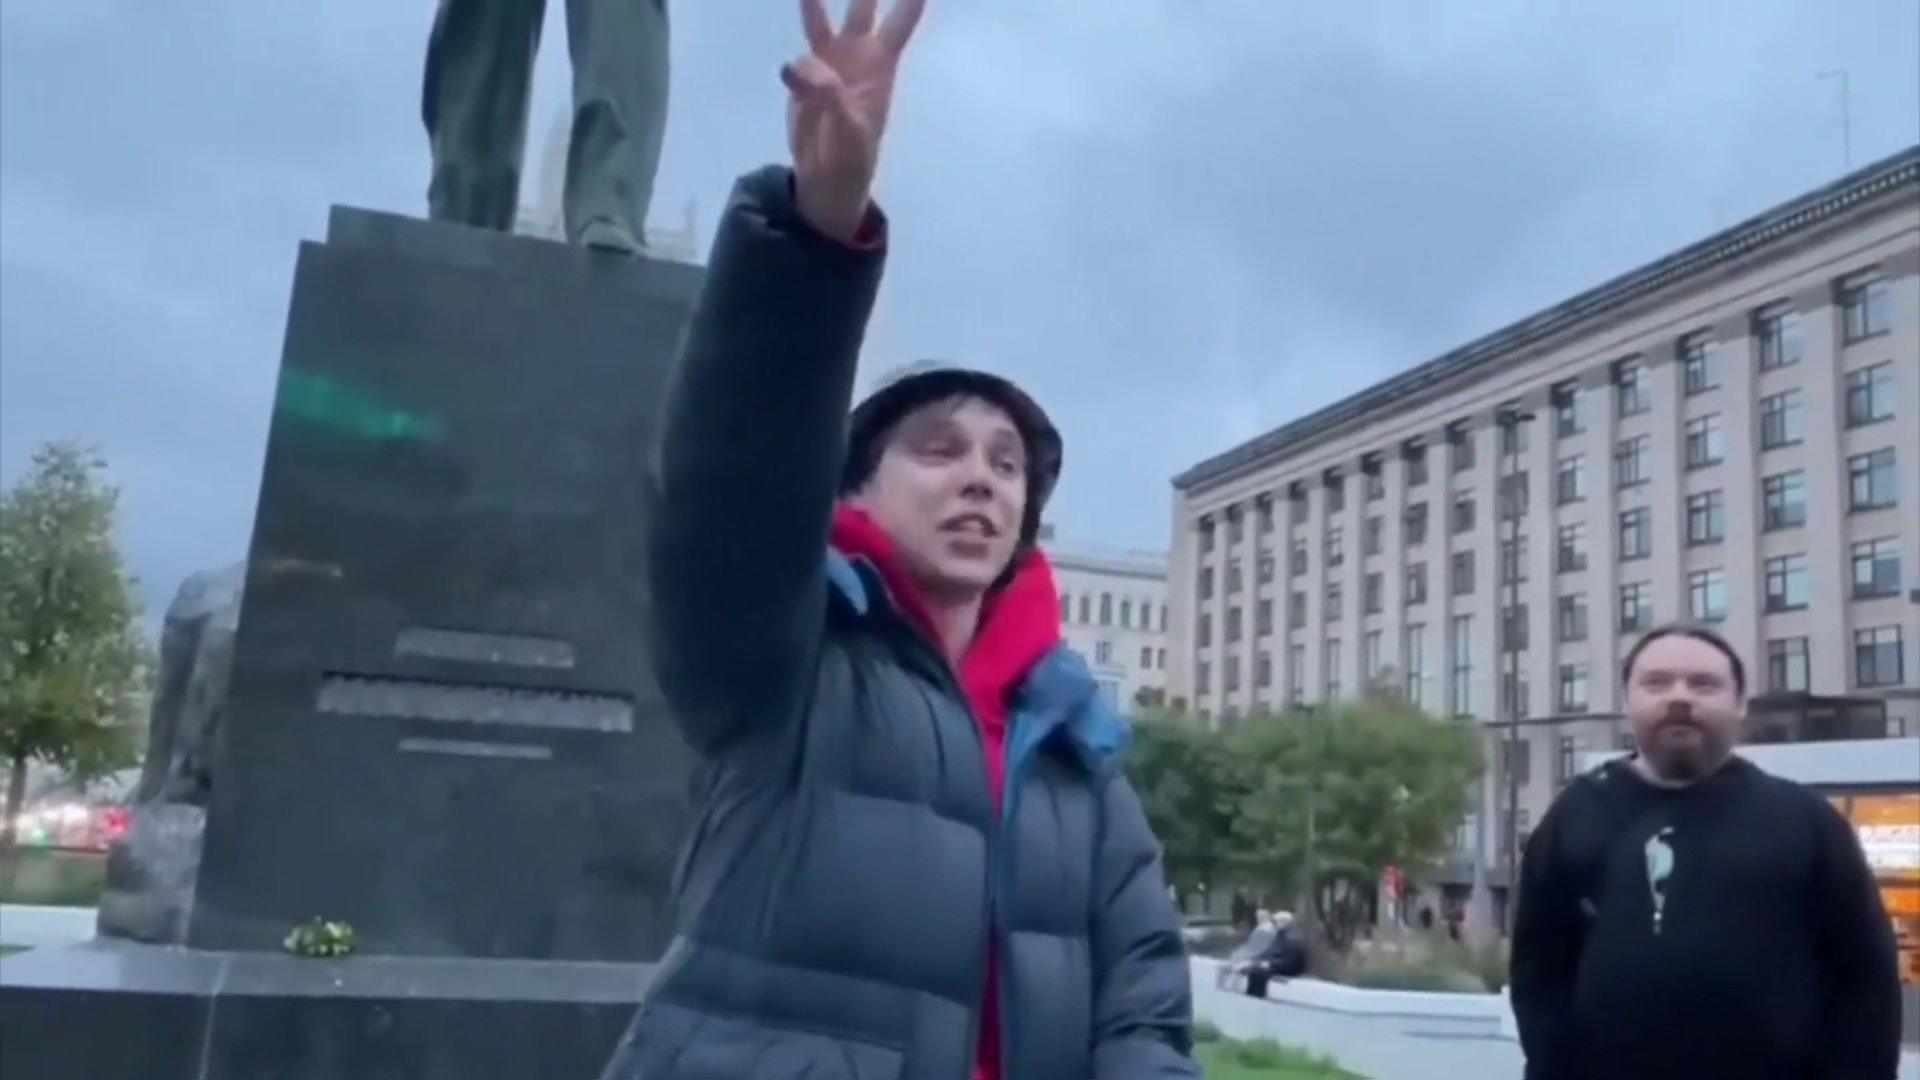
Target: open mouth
column 970, row 526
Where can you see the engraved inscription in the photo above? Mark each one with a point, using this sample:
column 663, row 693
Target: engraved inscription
column 479, row 648
column 415, row 699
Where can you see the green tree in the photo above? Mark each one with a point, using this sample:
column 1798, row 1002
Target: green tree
column 1326, row 800
column 72, row 661
column 1179, row 770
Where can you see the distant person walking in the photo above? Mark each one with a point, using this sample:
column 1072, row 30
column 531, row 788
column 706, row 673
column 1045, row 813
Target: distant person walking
column 1686, row 916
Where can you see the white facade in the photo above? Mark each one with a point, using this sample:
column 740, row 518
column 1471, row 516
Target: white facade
column 1113, row 605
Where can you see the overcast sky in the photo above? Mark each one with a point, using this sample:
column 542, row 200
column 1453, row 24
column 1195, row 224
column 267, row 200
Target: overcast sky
column 1180, row 221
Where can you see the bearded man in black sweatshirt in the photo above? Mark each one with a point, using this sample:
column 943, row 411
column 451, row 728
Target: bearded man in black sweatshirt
column 1684, row 915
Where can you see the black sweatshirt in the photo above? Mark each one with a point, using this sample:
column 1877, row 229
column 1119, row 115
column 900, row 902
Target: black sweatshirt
column 1727, row 929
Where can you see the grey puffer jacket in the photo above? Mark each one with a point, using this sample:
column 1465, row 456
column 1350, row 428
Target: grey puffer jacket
column 835, row 892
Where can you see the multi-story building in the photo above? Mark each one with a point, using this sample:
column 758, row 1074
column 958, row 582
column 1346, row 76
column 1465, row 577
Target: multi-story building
column 1730, row 434
column 1114, row 606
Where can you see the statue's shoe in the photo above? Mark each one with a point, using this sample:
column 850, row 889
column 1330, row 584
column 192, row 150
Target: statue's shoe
column 605, row 234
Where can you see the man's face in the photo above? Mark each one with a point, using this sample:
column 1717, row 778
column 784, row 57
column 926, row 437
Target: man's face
column 1685, row 708
column 951, row 490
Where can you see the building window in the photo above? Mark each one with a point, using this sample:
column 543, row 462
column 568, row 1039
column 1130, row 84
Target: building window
column 1781, row 419
column 1866, row 304
column 1297, row 610
column 1571, row 617
column 1460, row 448
column 1233, row 578
column 1870, row 394
column 1570, row 553
column 1700, row 362
column 1707, row 595
column 1066, row 607
column 1233, row 675
column 1460, row 665
column 1263, row 508
column 1513, row 437
column 1336, row 493
column 1376, row 483
column 1462, row 573
column 1569, row 419
column 1636, row 533
column 1416, row 523
column 1787, row 585
column 1572, row 698
column 1203, row 635
column 1416, row 583
column 1876, row 568
column 1636, row 607
column 1206, row 590
column 1206, row 535
column 1146, row 658
column 1878, row 658
column 1513, row 494
column 1233, row 625
column 1263, row 671
column 1296, row 674
column 1787, row 667
column 1336, row 546
column 1706, row 442
column 1462, row 513
column 1333, row 669
column 1514, row 627
column 1370, row 657
column 1163, row 624
column 1103, row 652
column 1234, row 528
column 1513, row 560
column 1706, row 517
column 1516, row 763
column 1126, row 611
column 1160, row 659
column 1370, row 535
column 1778, row 329
column 1263, row 618
column 1298, row 509
column 1264, row 569
column 1630, row 460
column 1630, row 387
column 1370, row 594
column 1106, row 599
column 1297, row 556
column 1570, row 480
column 1870, row 480
column 1415, row 652
column 1334, row 597
column 1203, row 677
column 1416, row 466
column 1784, row 500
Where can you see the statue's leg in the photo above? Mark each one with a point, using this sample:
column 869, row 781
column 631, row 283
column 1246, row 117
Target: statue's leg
column 479, row 69
column 619, row 50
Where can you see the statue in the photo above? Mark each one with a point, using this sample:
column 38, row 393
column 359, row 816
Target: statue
column 151, row 870
column 478, row 76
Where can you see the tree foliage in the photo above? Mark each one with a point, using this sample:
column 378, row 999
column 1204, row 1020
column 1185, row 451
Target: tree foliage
column 72, row 661
column 1384, row 786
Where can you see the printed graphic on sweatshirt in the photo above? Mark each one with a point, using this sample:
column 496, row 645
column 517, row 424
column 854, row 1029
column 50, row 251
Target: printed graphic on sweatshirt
column 1659, row 871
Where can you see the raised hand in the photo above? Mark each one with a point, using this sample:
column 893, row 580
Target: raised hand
column 839, row 93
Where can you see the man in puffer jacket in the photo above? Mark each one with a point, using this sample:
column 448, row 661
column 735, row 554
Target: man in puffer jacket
column 915, row 857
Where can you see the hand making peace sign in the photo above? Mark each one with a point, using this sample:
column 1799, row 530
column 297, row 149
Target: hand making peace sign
column 837, row 110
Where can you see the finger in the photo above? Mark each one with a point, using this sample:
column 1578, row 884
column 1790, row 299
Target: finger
column 859, row 18
column 810, row 78
column 900, row 24
column 819, row 29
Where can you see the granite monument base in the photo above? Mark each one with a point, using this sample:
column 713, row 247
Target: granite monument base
column 120, row 1010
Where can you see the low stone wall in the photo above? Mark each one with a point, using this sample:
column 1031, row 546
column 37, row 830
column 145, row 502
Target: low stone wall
column 1383, row 1034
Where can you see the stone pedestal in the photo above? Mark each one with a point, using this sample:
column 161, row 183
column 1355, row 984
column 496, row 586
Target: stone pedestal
column 438, row 725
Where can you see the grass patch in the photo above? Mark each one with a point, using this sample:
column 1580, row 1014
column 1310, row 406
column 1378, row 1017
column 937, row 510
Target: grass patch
column 1264, row 1059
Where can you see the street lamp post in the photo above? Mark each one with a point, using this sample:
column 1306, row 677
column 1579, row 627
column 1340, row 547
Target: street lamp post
column 1510, row 421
